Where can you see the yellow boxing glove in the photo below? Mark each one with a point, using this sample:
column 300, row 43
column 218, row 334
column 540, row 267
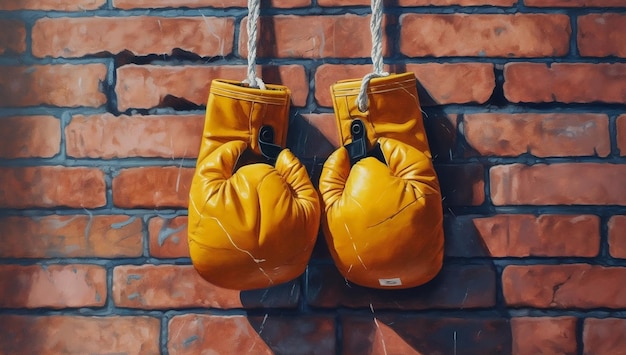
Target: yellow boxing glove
column 251, row 224
column 381, row 218
column 382, row 213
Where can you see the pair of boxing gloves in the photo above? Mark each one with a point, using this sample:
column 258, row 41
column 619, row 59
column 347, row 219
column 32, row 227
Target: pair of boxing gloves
column 254, row 214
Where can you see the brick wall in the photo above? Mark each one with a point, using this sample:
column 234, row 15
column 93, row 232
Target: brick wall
column 101, row 110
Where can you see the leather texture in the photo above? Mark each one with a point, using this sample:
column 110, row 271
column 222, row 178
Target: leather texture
column 251, row 225
column 383, row 221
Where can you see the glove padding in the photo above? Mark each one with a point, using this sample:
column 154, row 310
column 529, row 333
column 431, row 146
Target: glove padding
column 383, row 222
column 253, row 228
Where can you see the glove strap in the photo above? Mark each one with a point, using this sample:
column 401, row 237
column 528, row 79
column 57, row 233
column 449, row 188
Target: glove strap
column 357, row 149
column 268, row 149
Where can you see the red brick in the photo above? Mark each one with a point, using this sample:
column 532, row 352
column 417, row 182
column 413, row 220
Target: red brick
column 442, row 83
column 29, row 137
column 66, row 85
column 148, row 86
column 12, row 37
column 558, row 184
column 327, row 74
column 195, row 333
column 468, row 286
column 565, row 82
column 49, row 335
column 168, row 237
column 409, row 3
column 454, row 83
column 71, row 236
column 152, row 187
column 52, row 286
column 564, row 286
column 617, row 237
column 462, row 184
column 289, row 36
column 53, row 5
column 410, row 334
column 599, row 35
column 52, row 186
column 604, row 336
column 288, row 4
column 545, row 235
column 147, row 4
column 106, row 136
column 180, row 286
column 621, row 134
column 549, row 335
column 150, row 4
column 519, row 35
column 542, row 135
column 76, row 37
column 574, row 3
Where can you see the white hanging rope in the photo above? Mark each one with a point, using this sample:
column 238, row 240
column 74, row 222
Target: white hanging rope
column 376, row 25
column 254, row 9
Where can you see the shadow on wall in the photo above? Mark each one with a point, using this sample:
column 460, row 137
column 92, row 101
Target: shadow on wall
column 385, row 322
column 448, row 315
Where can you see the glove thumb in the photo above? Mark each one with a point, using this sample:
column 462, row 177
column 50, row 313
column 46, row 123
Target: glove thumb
column 296, row 176
column 334, row 176
column 220, row 164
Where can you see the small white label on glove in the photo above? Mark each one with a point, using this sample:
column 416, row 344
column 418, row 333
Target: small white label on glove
column 390, row 282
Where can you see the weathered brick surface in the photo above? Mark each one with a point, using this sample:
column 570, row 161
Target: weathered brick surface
column 564, row 286
column 541, row 135
column 545, row 235
column 403, row 334
column 439, row 83
column 599, row 35
column 288, row 36
column 106, row 236
column 604, row 336
column 565, row 82
column 456, row 83
column 168, row 237
column 51, row 186
column 544, row 335
column 621, row 134
column 152, row 187
column 574, row 3
column 420, row 2
column 54, row 5
column 52, row 286
column 180, row 286
column 12, row 37
column 617, row 236
column 107, row 136
column 558, row 184
column 147, row 86
column 269, row 334
column 29, row 136
column 149, row 4
column 64, row 85
column 470, row 286
column 101, row 116
column 76, row 37
column 519, row 35
column 49, row 335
